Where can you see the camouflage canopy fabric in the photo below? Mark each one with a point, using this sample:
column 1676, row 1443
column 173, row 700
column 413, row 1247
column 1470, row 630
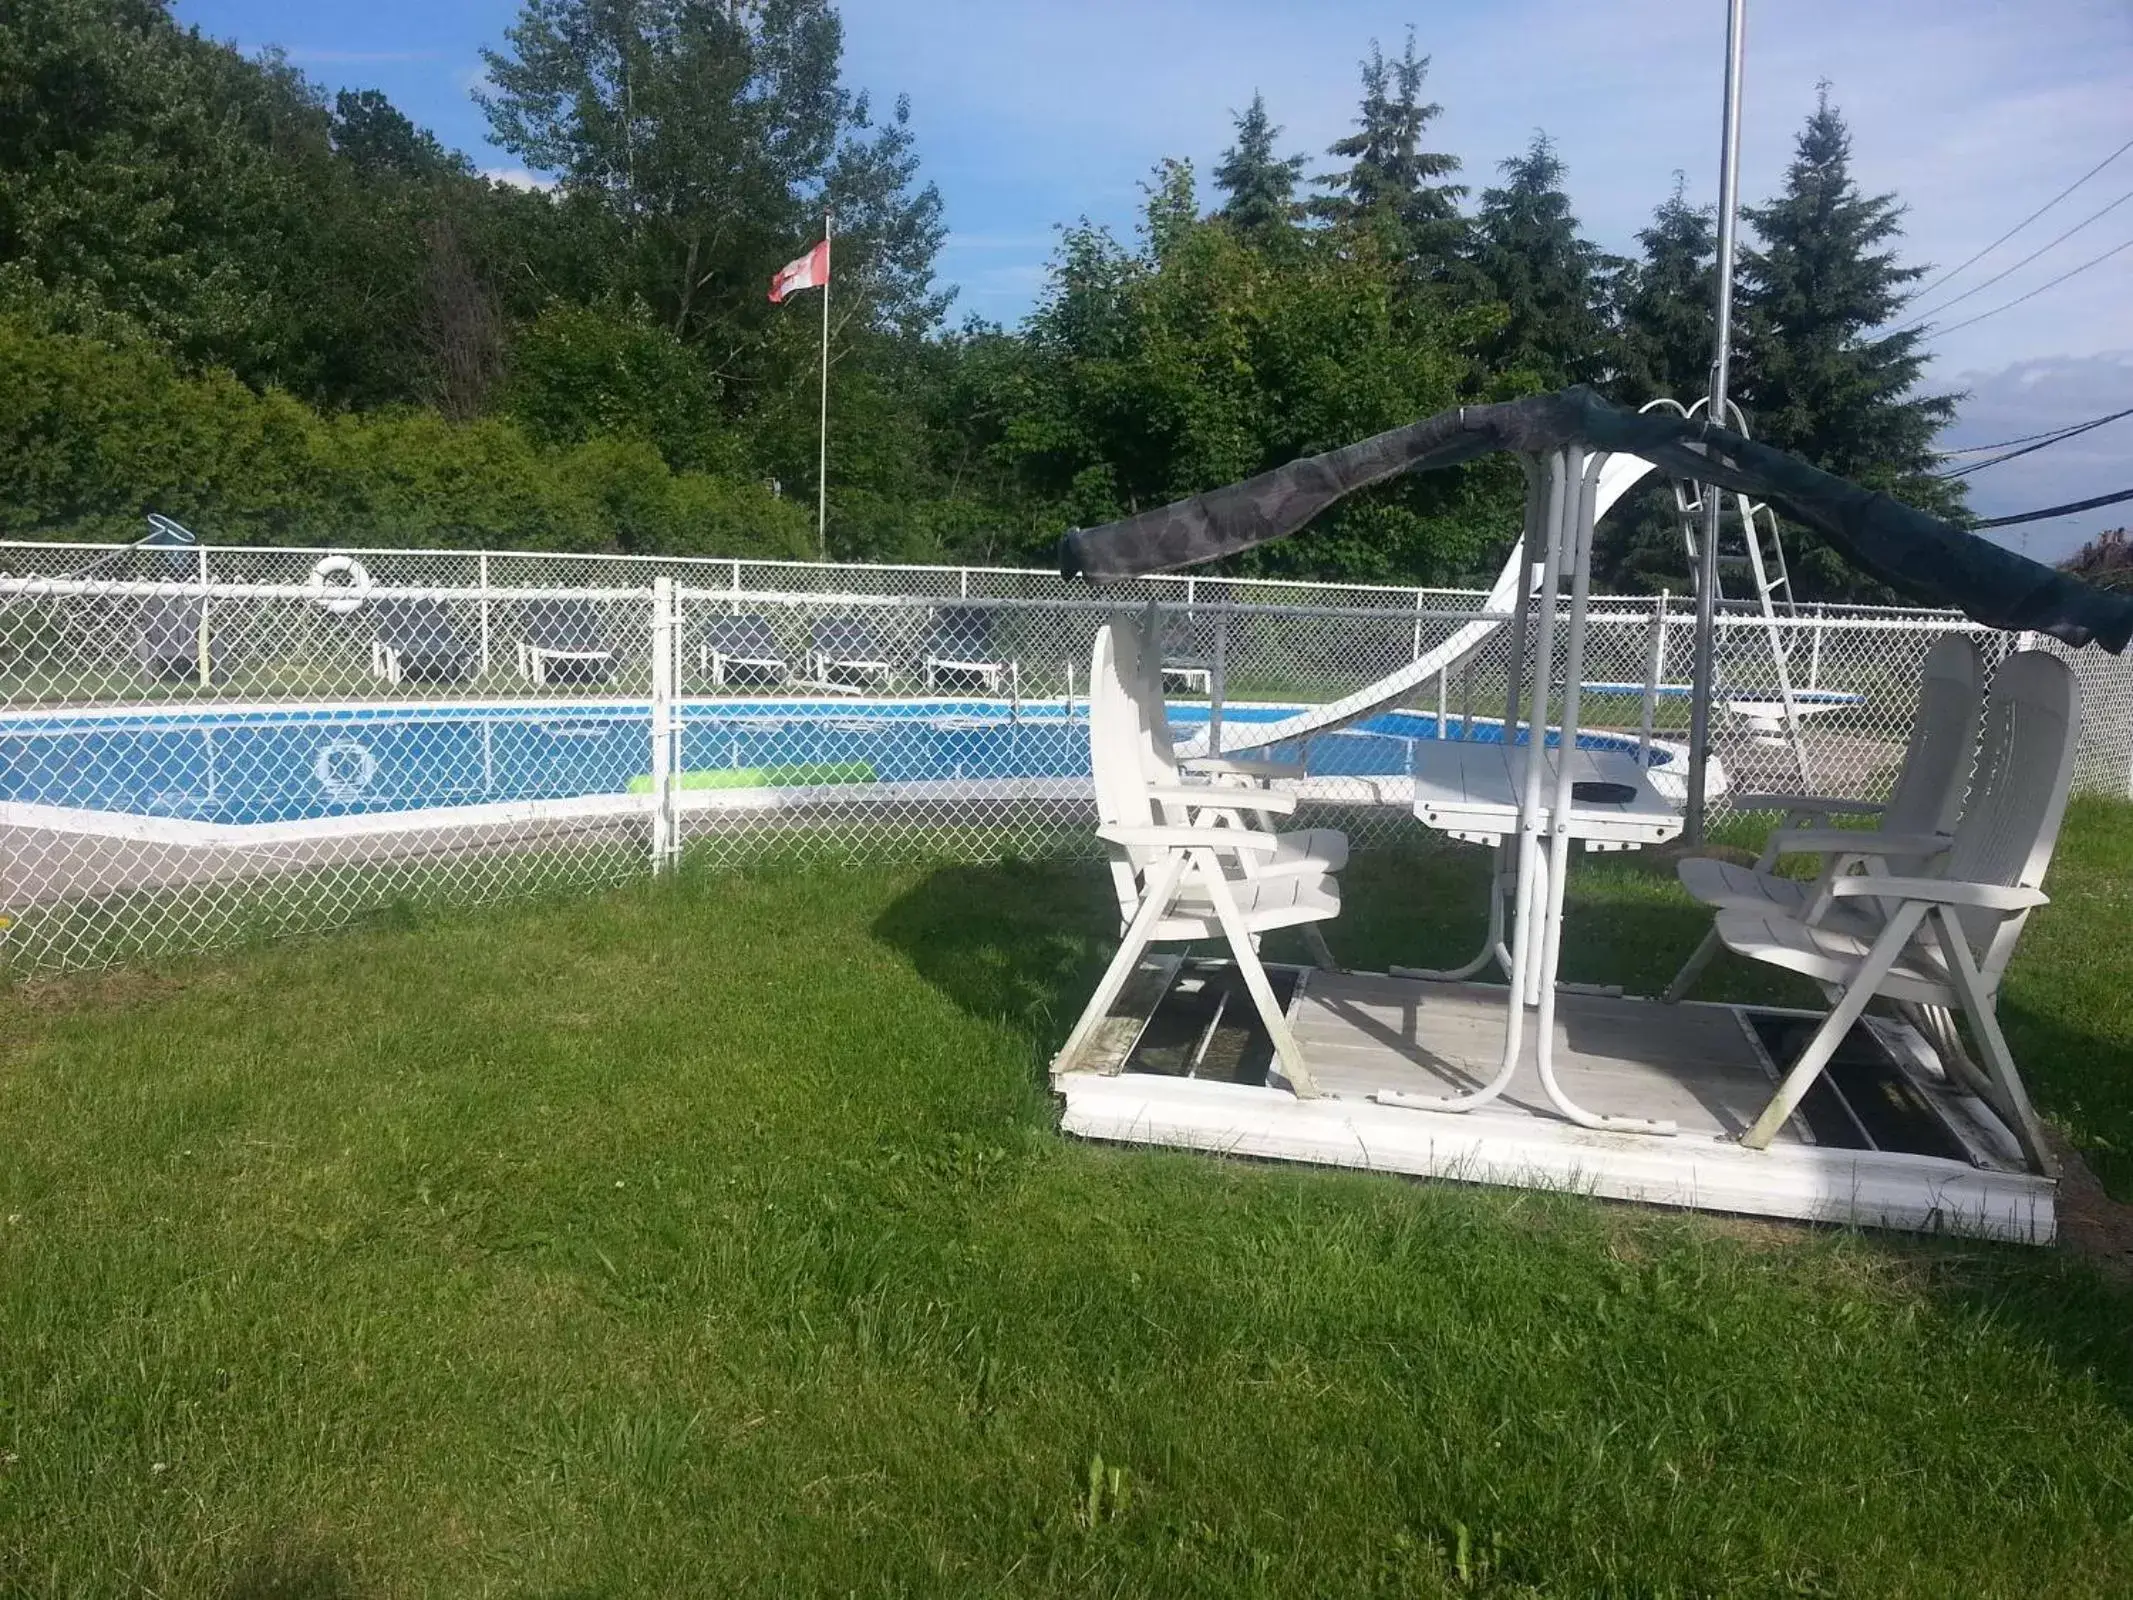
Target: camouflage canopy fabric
column 1919, row 556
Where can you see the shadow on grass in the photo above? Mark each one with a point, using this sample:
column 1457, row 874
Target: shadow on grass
column 1016, row 942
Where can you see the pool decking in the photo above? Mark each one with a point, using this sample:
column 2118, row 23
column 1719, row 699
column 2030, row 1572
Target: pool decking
column 1703, row 1067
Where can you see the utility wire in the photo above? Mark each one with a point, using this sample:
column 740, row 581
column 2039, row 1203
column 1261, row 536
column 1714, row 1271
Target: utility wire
column 2049, row 283
column 2044, row 443
column 1926, row 316
column 1987, row 449
column 2055, row 511
column 2025, row 222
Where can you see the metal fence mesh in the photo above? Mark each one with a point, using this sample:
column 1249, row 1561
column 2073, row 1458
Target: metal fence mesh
column 205, row 746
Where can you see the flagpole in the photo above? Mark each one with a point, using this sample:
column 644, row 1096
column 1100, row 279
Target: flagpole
column 822, row 454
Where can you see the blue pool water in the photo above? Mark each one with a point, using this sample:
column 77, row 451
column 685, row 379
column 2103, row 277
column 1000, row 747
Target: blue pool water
column 287, row 764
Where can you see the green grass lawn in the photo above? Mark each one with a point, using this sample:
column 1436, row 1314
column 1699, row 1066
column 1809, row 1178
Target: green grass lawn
column 714, row 1237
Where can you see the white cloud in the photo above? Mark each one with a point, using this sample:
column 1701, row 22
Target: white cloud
column 2036, row 396
column 517, row 178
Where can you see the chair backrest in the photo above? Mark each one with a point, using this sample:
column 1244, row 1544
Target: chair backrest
column 1159, row 754
column 747, row 634
column 565, row 625
column 1928, row 794
column 844, row 637
column 962, row 628
column 168, row 644
column 2010, row 822
column 1115, row 760
column 417, row 624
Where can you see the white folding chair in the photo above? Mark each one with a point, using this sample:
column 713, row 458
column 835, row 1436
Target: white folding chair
column 1914, row 823
column 1170, row 877
column 1233, row 790
column 1943, row 941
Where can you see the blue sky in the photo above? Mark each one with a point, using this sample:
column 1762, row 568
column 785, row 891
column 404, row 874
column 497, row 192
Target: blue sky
column 1973, row 111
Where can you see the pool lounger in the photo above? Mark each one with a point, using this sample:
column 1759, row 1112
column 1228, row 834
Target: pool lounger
column 962, row 647
column 845, row 644
column 168, row 645
column 564, row 644
column 414, row 641
column 742, row 648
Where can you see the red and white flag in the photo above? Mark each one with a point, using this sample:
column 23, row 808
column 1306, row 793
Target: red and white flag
column 811, row 271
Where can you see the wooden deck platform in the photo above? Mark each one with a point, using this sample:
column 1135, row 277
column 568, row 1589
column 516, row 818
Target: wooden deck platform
column 1886, row 1143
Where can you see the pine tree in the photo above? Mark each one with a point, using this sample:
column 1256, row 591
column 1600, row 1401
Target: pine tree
column 1260, row 186
column 1814, row 376
column 1527, row 254
column 1390, row 180
column 1665, row 302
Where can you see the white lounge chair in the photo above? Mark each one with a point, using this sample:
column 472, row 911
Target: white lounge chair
column 416, row 641
column 842, row 644
column 1914, row 823
column 1942, row 941
column 1171, row 880
column 740, row 649
column 961, row 647
column 564, row 643
column 1231, row 789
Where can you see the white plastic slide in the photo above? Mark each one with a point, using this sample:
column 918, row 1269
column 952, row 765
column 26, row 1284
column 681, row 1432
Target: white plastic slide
column 1617, row 477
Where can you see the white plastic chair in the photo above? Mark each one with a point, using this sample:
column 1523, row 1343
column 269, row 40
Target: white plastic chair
column 1233, row 790
column 1170, row 877
column 1914, row 822
column 1945, row 941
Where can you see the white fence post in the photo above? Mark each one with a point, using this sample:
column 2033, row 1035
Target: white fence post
column 665, row 725
column 483, row 579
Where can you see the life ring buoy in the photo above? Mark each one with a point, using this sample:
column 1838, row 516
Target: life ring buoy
column 344, row 768
column 339, row 584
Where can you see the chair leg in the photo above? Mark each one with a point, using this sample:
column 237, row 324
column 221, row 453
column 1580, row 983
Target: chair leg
column 1155, row 900
column 2010, row 1098
column 1692, row 969
column 1315, row 942
column 1850, row 1005
column 1256, row 983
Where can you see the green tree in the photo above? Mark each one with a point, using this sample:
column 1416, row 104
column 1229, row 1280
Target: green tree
column 1390, row 183
column 1815, row 376
column 1259, row 187
column 1664, row 303
column 1665, row 300
column 1527, row 254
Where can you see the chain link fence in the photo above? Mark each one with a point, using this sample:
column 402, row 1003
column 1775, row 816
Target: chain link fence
column 203, row 746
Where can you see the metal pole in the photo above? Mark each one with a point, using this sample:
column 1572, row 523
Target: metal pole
column 822, row 452
column 1722, row 340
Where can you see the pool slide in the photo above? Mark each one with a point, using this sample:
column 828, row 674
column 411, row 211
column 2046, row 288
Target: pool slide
column 1617, row 477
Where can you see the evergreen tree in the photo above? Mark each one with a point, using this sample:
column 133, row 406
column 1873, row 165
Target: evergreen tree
column 1813, row 375
column 1390, row 181
column 1665, row 302
column 1527, row 254
column 1260, row 186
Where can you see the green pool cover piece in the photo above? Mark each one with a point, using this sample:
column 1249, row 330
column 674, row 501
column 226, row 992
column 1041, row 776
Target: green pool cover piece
column 789, row 775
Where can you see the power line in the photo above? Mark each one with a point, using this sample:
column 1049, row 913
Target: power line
column 2025, row 222
column 1926, row 316
column 2009, row 305
column 2055, row 511
column 2043, row 443
column 2002, row 444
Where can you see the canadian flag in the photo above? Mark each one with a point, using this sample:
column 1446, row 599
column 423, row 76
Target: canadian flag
column 811, row 271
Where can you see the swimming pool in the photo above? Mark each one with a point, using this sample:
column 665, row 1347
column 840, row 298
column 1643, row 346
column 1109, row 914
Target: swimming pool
column 223, row 769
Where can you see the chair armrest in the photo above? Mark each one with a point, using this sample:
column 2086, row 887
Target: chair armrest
column 1941, row 891
column 1220, row 799
column 1808, row 805
column 1857, row 842
column 1229, row 766
column 1233, row 840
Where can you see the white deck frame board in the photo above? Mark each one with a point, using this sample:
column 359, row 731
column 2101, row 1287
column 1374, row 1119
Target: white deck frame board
column 1517, row 1143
